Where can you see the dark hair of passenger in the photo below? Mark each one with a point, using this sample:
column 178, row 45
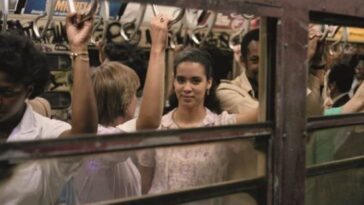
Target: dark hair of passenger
column 23, row 62
column 221, row 62
column 197, row 56
column 252, row 35
column 129, row 55
column 114, row 86
column 342, row 75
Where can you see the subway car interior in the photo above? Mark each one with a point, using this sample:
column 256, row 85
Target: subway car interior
column 195, row 102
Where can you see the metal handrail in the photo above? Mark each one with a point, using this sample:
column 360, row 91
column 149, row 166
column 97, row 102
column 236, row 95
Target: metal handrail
column 137, row 21
column 172, row 35
column 49, row 12
column 326, row 122
column 87, row 15
column 209, row 25
column 175, row 20
column 92, row 144
column 249, row 16
column 105, row 17
column 196, row 193
column 325, row 33
column 5, row 12
column 335, row 166
column 343, row 39
column 244, row 29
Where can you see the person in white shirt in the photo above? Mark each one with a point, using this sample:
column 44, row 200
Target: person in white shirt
column 23, row 75
column 114, row 175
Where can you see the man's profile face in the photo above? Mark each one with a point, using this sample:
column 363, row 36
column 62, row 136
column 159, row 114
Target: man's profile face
column 12, row 97
column 252, row 60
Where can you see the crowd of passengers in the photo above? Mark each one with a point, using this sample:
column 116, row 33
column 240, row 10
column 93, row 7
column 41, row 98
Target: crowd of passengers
column 105, row 101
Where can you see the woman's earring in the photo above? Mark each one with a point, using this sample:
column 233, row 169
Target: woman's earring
column 208, row 92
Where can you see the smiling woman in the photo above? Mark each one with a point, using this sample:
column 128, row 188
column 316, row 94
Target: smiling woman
column 182, row 167
column 193, row 80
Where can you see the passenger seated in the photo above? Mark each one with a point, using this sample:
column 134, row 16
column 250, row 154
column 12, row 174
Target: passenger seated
column 23, row 75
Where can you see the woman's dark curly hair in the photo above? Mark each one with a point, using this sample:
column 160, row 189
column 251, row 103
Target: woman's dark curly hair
column 204, row 58
column 23, row 62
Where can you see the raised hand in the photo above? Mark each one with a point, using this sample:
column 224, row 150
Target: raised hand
column 313, row 38
column 78, row 32
column 159, row 31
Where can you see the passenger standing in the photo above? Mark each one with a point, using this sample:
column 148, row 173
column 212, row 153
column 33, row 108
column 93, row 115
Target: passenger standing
column 340, row 79
column 188, row 166
column 112, row 176
column 240, row 95
column 24, row 74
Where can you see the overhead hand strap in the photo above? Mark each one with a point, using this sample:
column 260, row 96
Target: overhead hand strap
column 241, row 32
column 137, row 21
column 4, row 6
column 337, row 47
column 104, row 20
column 49, row 12
column 212, row 16
column 177, row 17
column 87, row 15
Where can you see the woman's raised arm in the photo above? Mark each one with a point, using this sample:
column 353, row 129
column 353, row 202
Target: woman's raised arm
column 151, row 109
column 84, row 111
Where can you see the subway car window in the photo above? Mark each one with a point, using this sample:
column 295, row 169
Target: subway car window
column 333, row 153
column 336, row 187
column 97, row 178
column 181, row 102
column 335, row 58
column 132, row 67
column 339, row 143
column 329, row 146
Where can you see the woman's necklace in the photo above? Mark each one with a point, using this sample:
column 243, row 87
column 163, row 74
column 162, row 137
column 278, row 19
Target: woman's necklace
column 189, row 125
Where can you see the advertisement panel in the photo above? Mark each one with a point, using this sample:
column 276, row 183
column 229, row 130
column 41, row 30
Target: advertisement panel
column 38, row 6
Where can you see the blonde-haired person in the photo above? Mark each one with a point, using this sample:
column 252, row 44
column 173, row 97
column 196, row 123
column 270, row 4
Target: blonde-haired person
column 111, row 176
column 115, row 86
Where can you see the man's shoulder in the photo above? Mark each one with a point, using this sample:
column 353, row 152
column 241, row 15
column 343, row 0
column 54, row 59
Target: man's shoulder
column 50, row 128
column 34, row 127
column 230, row 87
column 228, row 84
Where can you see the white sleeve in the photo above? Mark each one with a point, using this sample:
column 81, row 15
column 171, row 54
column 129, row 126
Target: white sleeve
column 128, row 126
column 54, row 128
